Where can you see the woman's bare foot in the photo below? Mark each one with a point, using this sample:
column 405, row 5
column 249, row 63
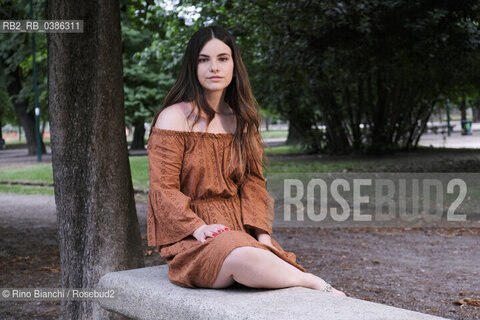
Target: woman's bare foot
column 338, row 292
column 317, row 283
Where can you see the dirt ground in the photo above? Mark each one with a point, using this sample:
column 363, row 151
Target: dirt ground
column 423, row 270
column 420, row 269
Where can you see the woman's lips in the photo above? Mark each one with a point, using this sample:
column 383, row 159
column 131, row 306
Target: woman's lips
column 215, row 78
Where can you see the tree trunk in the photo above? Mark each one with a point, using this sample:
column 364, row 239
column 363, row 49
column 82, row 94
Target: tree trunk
column 26, row 119
column 299, row 123
column 295, row 130
column 332, row 117
column 42, row 131
column 2, row 142
column 96, row 216
column 138, row 142
column 463, row 114
column 463, row 109
column 476, row 111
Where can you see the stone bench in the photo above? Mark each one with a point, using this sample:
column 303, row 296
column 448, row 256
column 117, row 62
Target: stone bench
column 147, row 293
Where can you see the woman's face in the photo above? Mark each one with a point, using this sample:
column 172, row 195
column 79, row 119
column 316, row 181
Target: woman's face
column 215, row 66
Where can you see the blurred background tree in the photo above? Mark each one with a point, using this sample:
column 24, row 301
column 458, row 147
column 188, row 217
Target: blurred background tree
column 349, row 76
column 16, row 83
column 369, row 71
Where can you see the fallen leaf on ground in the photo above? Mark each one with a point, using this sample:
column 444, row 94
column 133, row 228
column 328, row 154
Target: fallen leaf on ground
column 470, row 301
column 16, row 259
column 52, row 269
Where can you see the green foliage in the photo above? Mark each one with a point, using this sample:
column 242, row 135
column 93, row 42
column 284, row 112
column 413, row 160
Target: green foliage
column 349, row 76
column 16, row 57
column 7, row 114
column 153, row 41
column 371, row 71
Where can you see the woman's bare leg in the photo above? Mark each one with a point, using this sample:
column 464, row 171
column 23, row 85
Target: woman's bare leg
column 259, row 268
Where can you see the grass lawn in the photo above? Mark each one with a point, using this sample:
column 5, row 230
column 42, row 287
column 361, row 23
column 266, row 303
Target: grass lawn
column 41, row 172
column 285, row 159
column 274, row 134
column 284, row 150
column 139, row 168
column 26, row 189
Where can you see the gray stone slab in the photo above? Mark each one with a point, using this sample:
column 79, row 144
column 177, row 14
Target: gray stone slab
column 147, row 293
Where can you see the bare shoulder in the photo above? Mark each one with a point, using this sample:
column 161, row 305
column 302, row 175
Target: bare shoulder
column 173, row 117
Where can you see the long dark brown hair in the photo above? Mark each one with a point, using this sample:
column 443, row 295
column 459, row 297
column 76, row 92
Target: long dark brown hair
column 247, row 146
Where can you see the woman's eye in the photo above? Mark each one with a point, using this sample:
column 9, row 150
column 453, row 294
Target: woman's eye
column 224, row 59
column 202, row 60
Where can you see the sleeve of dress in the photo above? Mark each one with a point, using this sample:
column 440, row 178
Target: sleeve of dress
column 170, row 217
column 256, row 203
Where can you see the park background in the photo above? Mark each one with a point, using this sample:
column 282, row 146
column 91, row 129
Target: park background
column 363, row 86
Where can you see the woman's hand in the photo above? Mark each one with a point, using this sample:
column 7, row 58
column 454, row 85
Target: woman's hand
column 208, row 230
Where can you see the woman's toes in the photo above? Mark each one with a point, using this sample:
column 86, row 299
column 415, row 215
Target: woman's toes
column 338, row 292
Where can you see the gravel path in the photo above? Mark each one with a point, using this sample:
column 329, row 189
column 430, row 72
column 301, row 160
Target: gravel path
column 424, row 270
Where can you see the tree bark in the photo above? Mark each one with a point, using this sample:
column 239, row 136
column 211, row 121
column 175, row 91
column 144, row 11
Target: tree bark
column 26, row 119
column 96, row 216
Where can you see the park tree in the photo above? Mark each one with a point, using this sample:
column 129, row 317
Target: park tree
column 466, row 91
column 153, row 40
column 16, row 65
column 140, row 77
column 352, row 76
column 139, row 84
column 7, row 114
column 96, row 214
column 476, row 109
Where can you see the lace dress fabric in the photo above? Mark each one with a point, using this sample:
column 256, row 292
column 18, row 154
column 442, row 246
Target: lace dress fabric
column 191, row 184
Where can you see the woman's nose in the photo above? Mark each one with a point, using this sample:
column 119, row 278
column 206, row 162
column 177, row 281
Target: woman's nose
column 214, row 66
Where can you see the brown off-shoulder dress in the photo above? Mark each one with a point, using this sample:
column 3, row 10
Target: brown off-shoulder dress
column 191, row 184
